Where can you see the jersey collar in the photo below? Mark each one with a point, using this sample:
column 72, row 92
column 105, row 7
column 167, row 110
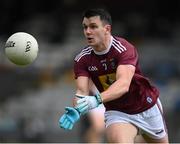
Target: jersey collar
column 104, row 51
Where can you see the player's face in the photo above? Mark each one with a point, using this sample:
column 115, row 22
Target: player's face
column 94, row 30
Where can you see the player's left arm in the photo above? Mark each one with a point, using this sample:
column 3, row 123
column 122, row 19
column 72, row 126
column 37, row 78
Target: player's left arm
column 121, row 86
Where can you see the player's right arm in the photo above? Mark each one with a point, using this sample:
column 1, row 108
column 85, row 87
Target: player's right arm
column 82, row 85
column 72, row 114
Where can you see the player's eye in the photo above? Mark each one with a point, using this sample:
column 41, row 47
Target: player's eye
column 93, row 26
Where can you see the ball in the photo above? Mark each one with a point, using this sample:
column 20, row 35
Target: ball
column 21, row 48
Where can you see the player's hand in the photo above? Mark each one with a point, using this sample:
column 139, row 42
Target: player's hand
column 68, row 119
column 86, row 103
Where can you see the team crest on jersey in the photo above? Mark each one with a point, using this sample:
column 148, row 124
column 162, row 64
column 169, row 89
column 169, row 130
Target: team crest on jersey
column 113, row 63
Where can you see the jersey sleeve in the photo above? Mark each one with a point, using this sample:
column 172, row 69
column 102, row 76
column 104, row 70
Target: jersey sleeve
column 80, row 68
column 129, row 56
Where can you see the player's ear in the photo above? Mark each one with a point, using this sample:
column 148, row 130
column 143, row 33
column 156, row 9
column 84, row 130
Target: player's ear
column 108, row 28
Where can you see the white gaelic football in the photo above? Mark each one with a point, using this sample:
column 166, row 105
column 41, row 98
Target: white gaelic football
column 21, row 48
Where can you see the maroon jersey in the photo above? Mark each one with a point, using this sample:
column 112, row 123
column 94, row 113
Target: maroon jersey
column 101, row 68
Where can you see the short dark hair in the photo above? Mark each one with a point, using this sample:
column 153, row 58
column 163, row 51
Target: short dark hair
column 102, row 13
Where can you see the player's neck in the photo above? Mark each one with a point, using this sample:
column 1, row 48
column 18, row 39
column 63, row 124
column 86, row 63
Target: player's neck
column 105, row 45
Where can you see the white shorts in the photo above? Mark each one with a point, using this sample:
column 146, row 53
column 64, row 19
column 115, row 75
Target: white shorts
column 149, row 122
column 99, row 109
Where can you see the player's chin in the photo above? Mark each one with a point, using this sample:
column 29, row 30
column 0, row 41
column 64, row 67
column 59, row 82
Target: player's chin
column 91, row 43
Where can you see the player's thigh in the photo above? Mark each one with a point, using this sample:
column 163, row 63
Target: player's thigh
column 121, row 133
column 96, row 118
column 97, row 121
